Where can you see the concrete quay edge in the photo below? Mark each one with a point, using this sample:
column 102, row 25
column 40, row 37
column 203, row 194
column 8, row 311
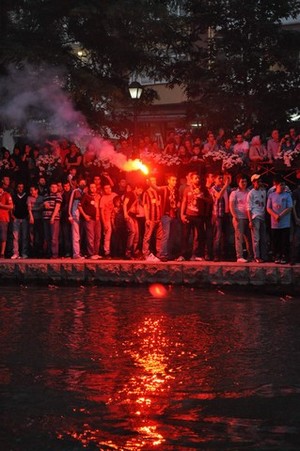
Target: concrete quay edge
column 136, row 272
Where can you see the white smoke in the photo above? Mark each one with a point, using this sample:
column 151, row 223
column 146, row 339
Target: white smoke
column 33, row 100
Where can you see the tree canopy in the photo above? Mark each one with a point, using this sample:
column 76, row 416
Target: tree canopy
column 237, row 63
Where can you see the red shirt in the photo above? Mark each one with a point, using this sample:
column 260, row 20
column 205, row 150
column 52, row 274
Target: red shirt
column 5, row 199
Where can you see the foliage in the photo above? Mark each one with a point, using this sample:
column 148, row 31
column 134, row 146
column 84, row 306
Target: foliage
column 249, row 71
column 245, row 73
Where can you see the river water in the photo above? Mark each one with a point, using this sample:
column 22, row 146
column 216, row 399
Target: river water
column 120, row 369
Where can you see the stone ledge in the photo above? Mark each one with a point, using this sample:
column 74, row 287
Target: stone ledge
column 63, row 271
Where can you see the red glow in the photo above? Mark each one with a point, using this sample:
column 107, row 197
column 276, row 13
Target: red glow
column 157, row 290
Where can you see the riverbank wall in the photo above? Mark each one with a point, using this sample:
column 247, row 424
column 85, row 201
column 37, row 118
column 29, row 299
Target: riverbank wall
column 138, row 272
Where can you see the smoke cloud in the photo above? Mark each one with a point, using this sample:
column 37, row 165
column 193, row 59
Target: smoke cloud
column 33, row 100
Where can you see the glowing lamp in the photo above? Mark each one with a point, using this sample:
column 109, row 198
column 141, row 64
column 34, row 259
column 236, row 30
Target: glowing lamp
column 135, row 90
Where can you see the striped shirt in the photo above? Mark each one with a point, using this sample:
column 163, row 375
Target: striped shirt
column 50, row 201
column 152, row 203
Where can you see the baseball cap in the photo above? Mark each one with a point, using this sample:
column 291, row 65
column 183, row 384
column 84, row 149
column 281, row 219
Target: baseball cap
column 255, row 177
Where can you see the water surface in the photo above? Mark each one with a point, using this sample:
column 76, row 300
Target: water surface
column 117, row 369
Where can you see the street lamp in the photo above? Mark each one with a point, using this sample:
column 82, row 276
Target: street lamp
column 135, row 91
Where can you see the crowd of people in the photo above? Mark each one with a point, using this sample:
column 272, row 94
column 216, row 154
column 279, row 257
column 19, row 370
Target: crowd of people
column 79, row 210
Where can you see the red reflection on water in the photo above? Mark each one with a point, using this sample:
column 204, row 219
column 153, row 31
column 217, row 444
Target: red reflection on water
column 136, row 366
column 157, row 290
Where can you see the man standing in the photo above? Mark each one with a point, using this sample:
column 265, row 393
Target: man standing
column 35, row 204
column 152, row 207
column 130, row 209
column 51, row 217
column 195, row 204
column 220, row 216
column 238, row 210
column 6, row 206
column 89, row 208
column 20, row 223
column 106, row 211
column 169, row 208
column 279, row 207
column 74, row 218
column 256, row 207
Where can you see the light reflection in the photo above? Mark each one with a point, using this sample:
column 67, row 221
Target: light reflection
column 145, row 391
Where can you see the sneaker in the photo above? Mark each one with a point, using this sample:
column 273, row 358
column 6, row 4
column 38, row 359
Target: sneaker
column 242, row 260
column 24, row 256
column 163, row 259
column 283, row 261
column 78, row 257
column 14, row 257
column 277, row 261
column 152, row 258
column 194, row 258
column 180, row 259
column 95, row 257
column 259, row 260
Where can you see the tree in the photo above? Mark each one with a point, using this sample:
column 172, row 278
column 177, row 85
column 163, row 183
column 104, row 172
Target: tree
column 248, row 74
column 116, row 40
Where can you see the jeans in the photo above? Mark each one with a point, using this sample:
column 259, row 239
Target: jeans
column 151, row 228
column 132, row 234
column 76, row 235
column 166, row 222
column 220, row 236
column 259, row 238
column 195, row 225
column 20, row 236
column 51, row 232
column 93, row 234
column 242, row 234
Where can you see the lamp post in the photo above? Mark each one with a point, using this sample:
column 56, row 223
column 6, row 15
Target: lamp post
column 135, row 91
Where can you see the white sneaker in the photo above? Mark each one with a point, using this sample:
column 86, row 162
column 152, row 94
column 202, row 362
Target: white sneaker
column 152, row 258
column 196, row 259
column 180, row 259
column 14, row 257
column 95, row 257
column 242, row 260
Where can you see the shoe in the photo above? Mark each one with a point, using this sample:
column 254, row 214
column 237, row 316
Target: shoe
column 78, row 257
column 283, row 261
column 14, row 257
column 107, row 257
column 242, row 260
column 258, row 260
column 196, row 259
column 277, row 261
column 216, row 259
column 164, row 259
column 128, row 256
column 95, row 257
column 2, row 257
column 180, row 259
column 152, row 258
column 24, row 256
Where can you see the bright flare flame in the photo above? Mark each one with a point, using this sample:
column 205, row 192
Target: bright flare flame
column 135, row 165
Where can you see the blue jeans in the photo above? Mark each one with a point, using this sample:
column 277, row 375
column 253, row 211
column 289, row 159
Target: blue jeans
column 259, row 238
column 166, row 222
column 51, row 232
column 241, row 234
column 20, row 236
